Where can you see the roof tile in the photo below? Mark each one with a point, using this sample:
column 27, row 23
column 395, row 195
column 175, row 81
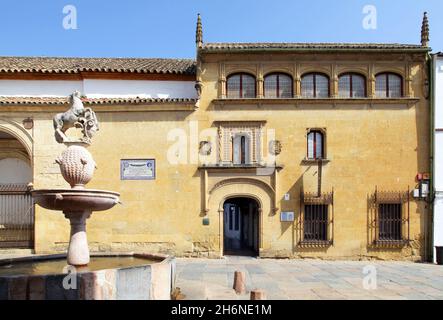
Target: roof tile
column 76, row 65
column 308, row 46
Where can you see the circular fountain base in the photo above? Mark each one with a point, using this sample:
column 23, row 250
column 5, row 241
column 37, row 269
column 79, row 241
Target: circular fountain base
column 107, row 277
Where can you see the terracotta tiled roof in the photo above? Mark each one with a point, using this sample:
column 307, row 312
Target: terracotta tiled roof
column 310, row 46
column 76, row 65
column 89, row 101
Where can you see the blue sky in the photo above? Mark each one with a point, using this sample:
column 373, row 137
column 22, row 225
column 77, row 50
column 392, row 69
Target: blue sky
column 166, row 28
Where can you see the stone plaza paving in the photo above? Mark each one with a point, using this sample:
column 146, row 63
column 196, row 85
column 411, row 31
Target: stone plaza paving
column 212, row 279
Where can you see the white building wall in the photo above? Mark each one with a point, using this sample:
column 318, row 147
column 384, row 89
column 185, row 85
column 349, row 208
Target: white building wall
column 39, row 88
column 98, row 88
column 438, row 152
column 139, row 88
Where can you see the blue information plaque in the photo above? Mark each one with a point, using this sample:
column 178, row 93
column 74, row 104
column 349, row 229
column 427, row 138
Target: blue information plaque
column 137, row 169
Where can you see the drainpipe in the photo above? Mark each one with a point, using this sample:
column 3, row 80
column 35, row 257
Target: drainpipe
column 432, row 64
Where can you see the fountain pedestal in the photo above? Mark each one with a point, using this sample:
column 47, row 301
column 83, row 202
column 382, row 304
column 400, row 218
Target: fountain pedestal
column 78, row 250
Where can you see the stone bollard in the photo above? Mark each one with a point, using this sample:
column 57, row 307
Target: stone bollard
column 258, row 294
column 239, row 282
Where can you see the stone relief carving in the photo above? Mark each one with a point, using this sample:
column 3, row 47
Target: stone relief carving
column 205, row 148
column 275, row 147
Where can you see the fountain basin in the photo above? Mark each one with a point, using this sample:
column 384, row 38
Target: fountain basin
column 128, row 276
column 77, row 206
column 75, row 199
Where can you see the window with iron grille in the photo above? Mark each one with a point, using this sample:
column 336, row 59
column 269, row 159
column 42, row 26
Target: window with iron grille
column 278, row 85
column 351, row 85
column 390, row 222
column 316, row 219
column 315, row 222
column 388, row 85
column 314, row 85
column 240, row 85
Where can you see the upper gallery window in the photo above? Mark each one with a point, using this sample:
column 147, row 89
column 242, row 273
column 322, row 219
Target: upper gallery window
column 314, row 85
column 278, row 85
column 240, row 85
column 388, row 85
column 351, row 85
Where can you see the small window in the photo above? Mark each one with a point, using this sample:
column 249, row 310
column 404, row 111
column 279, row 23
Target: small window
column 351, row 85
column 240, row 149
column 240, row 85
column 315, row 226
column 314, row 85
column 315, row 145
column 388, row 85
column 278, row 85
column 390, row 222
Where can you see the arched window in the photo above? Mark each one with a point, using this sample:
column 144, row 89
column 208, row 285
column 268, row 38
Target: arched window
column 240, row 149
column 351, row 85
column 240, row 85
column 278, row 85
column 315, row 145
column 314, row 85
column 388, row 85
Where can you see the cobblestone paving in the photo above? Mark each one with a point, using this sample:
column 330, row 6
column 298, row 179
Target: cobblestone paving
column 308, row 279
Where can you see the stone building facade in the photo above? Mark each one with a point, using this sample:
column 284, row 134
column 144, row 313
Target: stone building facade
column 267, row 149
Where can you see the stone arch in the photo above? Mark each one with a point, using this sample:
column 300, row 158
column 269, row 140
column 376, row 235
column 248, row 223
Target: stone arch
column 254, row 189
column 21, row 134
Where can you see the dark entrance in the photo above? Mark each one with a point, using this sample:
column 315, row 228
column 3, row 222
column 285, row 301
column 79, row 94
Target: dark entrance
column 241, row 227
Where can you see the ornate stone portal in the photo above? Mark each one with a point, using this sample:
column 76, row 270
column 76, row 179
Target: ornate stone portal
column 77, row 168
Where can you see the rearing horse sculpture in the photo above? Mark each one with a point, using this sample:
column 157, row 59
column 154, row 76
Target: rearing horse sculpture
column 77, row 116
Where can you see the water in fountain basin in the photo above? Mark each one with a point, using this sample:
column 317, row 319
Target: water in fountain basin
column 58, row 266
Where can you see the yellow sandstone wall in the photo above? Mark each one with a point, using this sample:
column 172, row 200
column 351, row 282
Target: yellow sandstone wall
column 383, row 145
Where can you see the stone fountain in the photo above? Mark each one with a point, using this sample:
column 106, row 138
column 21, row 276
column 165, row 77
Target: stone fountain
column 77, row 167
column 120, row 276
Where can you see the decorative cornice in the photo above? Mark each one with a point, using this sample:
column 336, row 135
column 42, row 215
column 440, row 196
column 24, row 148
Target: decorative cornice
column 259, row 102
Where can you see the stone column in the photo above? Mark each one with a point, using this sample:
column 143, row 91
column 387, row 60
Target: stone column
column 334, row 87
column 78, row 251
column 408, row 92
column 222, row 84
column 297, row 87
column 260, row 88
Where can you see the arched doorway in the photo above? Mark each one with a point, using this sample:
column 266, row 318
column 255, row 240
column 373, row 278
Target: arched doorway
column 241, row 226
column 16, row 204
